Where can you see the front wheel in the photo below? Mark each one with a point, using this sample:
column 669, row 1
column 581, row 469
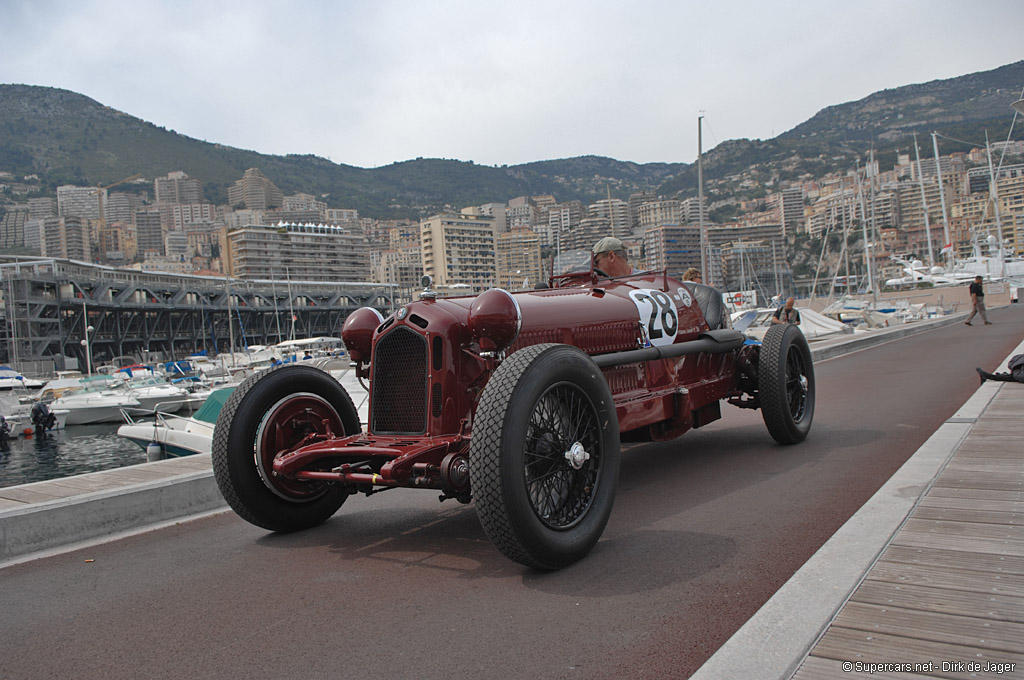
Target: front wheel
column 785, row 384
column 544, row 458
column 269, row 413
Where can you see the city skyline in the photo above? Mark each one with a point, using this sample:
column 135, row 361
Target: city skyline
column 369, row 84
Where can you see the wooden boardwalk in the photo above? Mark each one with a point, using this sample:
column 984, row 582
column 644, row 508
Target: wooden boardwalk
column 946, row 597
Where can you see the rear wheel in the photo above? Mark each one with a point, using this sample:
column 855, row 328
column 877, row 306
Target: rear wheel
column 785, row 384
column 544, row 458
column 269, row 413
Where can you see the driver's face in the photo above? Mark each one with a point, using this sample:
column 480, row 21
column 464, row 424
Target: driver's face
column 600, row 257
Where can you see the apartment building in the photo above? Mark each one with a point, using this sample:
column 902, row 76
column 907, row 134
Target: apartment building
column 672, row 247
column 177, row 187
column 308, row 253
column 656, row 213
column 459, row 249
column 255, row 192
column 518, row 262
column 66, row 237
column 149, row 231
column 81, row 202
column 616, row 211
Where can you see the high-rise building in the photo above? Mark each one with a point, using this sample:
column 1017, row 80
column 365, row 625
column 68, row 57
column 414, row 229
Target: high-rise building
column 656, row 213
column 66, row 237
column 674, row 248
column 459, row 250
column 616, row 211
column 149, row 232
column 81, row 202
column 518, row 260
column 177, row 187
column 306, row 252
column 255, row 192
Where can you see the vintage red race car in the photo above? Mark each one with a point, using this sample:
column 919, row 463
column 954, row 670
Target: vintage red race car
column 517, row 402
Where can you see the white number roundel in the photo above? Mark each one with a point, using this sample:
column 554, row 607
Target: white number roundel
column 658, row 315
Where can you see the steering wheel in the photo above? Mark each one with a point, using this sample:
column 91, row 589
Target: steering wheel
column 601, row 273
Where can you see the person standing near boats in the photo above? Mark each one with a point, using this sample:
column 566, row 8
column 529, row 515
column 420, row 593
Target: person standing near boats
column 978, row 301
column 787, row 313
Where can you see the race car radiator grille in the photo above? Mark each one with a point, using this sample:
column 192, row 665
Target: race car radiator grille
column 399, row 383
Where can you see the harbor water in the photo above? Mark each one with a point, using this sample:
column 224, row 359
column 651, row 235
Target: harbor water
column 74, row 451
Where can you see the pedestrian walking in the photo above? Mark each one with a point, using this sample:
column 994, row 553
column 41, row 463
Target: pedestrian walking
column 978, row 302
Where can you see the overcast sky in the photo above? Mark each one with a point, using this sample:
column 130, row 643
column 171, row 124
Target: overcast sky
column 369, row 83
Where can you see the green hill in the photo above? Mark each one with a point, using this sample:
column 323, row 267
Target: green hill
column 67, row 138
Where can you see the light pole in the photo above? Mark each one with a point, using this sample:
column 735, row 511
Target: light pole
column 88, row 353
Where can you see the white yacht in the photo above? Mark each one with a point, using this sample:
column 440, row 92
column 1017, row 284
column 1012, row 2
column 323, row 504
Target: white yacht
column 96, row 403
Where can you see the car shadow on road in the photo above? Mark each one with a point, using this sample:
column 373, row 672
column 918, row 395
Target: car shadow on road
column 646, row 546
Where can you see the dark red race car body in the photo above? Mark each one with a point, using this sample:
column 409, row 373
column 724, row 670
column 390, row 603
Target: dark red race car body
column 661, row 348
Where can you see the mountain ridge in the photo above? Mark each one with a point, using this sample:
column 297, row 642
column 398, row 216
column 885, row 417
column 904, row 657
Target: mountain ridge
column 68, row 138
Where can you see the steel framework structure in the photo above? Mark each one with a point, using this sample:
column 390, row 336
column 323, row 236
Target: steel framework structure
column 49, row 304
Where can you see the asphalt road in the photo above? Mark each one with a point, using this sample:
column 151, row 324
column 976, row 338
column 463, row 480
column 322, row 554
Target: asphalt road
column 705, row 529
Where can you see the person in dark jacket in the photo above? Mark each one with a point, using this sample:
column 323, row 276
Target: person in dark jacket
column 978, row 301
column 1016, row 374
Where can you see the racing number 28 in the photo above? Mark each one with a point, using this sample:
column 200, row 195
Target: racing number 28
column 662, row 321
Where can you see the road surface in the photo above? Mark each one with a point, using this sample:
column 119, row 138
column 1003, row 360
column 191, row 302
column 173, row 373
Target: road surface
column 705, row 529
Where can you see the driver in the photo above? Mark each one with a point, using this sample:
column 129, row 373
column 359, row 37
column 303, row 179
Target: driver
column 610, row 257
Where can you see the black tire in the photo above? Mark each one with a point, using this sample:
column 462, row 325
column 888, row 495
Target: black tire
column 540, row 508
column 785, row 384
column 287, row 402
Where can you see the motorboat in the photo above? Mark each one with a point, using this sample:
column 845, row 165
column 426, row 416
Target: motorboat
column 21, row 419
column 95, row 404
column 168, row 435
column 156, row 394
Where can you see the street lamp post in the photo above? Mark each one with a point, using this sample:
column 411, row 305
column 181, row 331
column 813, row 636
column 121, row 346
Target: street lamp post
column 88, row 352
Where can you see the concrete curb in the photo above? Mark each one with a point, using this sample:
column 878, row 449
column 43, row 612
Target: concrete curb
column 775, row 641
column 46, row 525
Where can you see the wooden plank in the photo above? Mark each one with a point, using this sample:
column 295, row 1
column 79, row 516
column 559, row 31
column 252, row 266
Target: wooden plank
column 843, row 644
column 1002, row 564
column 818, row 668
column 968, row 515
column 988, row 494
column 972, row 450
column 922, row 598
column 994, row 546
column 936, row 501
column 998, row 466
column 978, row 480
column 952, row 578
column 971, row 631
column 972, row 529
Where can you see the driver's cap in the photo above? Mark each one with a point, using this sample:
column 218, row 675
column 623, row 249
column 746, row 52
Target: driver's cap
column 608, row 244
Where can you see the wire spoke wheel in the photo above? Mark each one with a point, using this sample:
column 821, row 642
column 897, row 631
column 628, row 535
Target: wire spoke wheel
column 796, row 383
column 544, row 456
column 560, row 488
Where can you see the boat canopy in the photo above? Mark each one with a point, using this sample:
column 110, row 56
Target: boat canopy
column 210, row 409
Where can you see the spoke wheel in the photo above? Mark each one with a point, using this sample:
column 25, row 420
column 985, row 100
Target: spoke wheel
column 562, row 456
column 544, row 458
column 271, row 413
column 786, row 384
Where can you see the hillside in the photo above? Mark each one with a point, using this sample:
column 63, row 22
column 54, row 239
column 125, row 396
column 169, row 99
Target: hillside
column 67, row 138
column 835, row 137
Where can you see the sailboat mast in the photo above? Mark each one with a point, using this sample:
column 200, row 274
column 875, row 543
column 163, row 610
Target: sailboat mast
column 942, row 198
column 700, row 205
column 924, row 205
column 994, row 195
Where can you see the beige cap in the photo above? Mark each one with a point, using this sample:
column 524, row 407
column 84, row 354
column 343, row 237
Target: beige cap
column 608, row 244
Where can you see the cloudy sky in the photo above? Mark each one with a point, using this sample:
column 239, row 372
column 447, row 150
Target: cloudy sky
column 372, row 82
